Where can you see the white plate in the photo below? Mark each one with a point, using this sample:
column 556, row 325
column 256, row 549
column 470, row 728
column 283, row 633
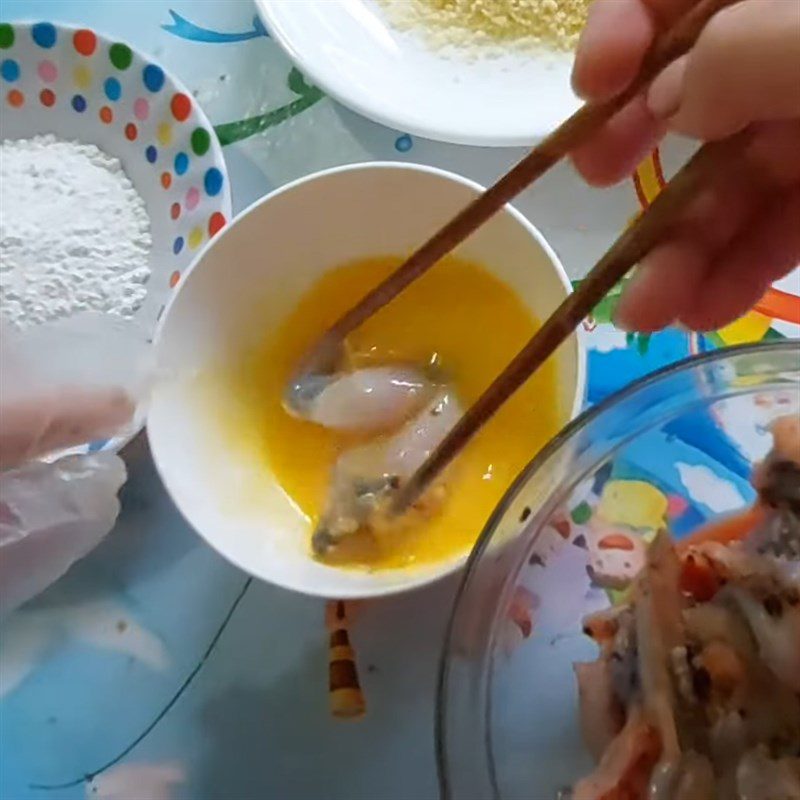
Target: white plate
column 348, row 48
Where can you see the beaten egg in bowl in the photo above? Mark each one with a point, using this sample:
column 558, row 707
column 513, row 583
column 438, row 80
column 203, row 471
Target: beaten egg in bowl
column 459, row 317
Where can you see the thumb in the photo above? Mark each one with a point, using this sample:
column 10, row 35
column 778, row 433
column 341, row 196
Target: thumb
column 745, row 67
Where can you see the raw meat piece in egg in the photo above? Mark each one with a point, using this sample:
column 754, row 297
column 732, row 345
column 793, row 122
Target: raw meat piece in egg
column 365, row 400
column 365, row 478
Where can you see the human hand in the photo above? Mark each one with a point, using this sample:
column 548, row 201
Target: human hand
column 66, row 383
column 743, row 231
column 52, row 514
column 61, row 385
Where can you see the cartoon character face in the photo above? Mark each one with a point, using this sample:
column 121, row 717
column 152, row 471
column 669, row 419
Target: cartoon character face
column 627, row 516
column 616, row 554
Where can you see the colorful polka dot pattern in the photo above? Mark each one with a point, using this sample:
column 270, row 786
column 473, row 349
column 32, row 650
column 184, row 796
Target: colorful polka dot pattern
column 113, row 89
column 76, row 71
column 47, row 71
column 85, row 42
column 9, row 69
column 6, row 36
column 120, row 55
column 153, row 77
column 44, row 34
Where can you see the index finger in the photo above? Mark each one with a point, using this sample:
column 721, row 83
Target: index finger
column 615, row 40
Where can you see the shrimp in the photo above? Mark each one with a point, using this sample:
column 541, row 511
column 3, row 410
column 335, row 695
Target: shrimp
column 625, row 768
column 365, row 401
column 760, row 777
column 366, row 477
column 786, row 438
column 659, row 630
column 775, row 623
column 778, row 477
column 602, row 715
column 713, row 658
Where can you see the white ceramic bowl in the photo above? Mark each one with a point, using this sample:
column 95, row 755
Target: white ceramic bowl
column 279, row 247
column 348, row 48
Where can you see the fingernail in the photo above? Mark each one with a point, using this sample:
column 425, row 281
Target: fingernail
column 664, row 96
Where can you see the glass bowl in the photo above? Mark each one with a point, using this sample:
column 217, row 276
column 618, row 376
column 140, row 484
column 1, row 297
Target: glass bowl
column 675, row 449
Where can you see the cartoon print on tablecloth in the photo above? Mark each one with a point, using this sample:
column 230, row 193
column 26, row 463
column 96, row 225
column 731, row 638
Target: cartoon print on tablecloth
column 613, row 516
column 669, row 463
column 89, row 778
column 238, row 130
column 137, row 781
column 611, row 525
column 185, row 29
column 520, row 615
column 625, row 519
column 104, row 624
column 308, row 95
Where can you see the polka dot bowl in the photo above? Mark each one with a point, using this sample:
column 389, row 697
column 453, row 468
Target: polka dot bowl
column 79, row 85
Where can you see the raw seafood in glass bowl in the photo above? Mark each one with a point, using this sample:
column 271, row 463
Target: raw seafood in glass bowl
column 628, row 624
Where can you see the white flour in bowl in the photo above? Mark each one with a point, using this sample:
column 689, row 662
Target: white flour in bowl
column 74, row 233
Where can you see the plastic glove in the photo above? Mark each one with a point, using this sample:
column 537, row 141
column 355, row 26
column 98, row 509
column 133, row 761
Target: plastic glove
column 51, row 515
column 68, row 383
column 61, row 385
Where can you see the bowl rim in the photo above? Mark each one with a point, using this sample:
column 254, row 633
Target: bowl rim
column 484, row 538
column 428, row 574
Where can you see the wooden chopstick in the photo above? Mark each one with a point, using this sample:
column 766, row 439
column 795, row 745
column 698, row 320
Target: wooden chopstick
column 575, row 131
column 626, row 251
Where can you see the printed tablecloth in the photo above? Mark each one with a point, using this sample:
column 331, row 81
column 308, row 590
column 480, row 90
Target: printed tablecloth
column 155, row 669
